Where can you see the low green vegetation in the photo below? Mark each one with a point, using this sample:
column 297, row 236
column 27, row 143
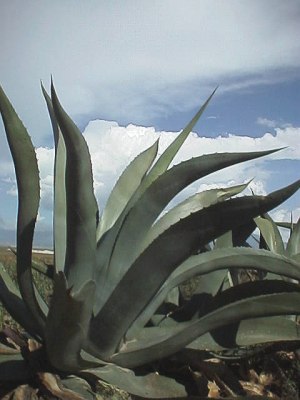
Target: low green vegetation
column 137, row 294
column 42, row 268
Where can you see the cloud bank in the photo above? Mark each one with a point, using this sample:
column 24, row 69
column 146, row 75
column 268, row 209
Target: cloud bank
column 113, row 146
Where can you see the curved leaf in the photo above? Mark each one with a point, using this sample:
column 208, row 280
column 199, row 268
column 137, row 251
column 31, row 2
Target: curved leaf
column 27, row 175
column 152, row 385
column 166, row 253
column 260, row 299
column 168, row 155
column 293, row 246
column 123, row 248
column 270, row 233
column 106, row 246
column 80, row 201
column 60, row 211
column 224, row 241
column 190, row 205
column 125, row 187
column 242, row 339
column 249, row 332
column 158, row 195
column 241, row 233
column 216, row 260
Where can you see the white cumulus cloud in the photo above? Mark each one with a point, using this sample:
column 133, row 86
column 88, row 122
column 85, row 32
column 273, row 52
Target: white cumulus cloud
column 112, row 147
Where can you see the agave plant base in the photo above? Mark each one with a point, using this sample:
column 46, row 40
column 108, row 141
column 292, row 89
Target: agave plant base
column 31, row 376
column 269, row 371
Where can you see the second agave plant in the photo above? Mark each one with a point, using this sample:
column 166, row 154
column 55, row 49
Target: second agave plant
column 117, row 270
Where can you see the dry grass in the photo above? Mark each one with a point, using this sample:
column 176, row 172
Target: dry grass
column 8, row 259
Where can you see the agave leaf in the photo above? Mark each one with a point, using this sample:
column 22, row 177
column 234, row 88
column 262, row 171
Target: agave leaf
column 152, row 385
column 270, row 233
column 296, row 257
column 224, row 241
column 125, row 187
column 287, row 225
column 173, row 296
column 211, row 283
column 13, row 303
column 210, row 262
column 170, row 152
column 247, row 333
column 241, row 233
column 67, row 324
column 239, row 336
column 158, row 195
column 168, row 155
column 166, row 253
column 259, row 299
column 106, row 246
column 123, row 248
column 192, row 204
column 293, row 245
column 80, row 201
column 60, row 210
column 42, row 303
column 27, row 175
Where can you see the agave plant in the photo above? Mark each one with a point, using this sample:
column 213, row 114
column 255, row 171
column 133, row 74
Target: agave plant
column 114, row 270
column 272, row 240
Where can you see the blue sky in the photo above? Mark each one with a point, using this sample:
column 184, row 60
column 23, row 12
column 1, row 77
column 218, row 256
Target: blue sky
column 127, row 71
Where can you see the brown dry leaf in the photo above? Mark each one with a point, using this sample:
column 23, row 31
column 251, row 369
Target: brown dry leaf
column 23, row 392
column 33, row 345
column 216, row 370
column 52, row 383
column 10, row 341
column 213, row 390
column 255, row 389
column 266, row 379
column 289, row 355
column 8, row 350
column 253, row 376
column 13, row 337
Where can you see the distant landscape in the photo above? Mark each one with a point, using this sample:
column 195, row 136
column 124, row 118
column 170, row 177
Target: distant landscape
column 42, row 240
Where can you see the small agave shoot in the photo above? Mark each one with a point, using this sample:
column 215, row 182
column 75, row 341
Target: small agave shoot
column 116, row 271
